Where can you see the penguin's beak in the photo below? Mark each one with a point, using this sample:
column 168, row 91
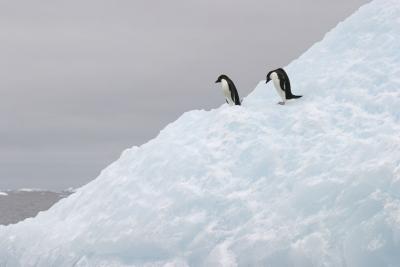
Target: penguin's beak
column 267, row 81
column 216, row 81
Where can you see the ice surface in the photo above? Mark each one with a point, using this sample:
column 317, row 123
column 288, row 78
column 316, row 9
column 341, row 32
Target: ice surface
column 312, row 183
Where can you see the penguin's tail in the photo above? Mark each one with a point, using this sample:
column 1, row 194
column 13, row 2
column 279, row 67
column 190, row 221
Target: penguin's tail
column 294, row 96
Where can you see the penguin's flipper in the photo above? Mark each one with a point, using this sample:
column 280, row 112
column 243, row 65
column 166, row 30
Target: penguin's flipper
column 238, row 102
column 234, row 93
column 287, row 80
column 235, row 97
column 282, row 83
column 226, row 101
column 285, row 83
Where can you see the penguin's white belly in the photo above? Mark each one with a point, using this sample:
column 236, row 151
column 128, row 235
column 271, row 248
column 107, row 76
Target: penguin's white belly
column 227, row 92
column 277, row 85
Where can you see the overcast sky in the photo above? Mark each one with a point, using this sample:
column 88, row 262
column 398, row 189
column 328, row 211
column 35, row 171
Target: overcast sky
column 81, row 80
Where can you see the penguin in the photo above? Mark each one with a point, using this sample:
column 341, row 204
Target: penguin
column 229, row 90
column 282, row 84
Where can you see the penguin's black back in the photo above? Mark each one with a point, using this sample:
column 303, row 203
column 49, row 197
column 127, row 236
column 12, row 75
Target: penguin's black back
column 285, row 84
column 233, row 90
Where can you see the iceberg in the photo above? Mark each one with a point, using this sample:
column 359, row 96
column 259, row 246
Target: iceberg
column 312, row 183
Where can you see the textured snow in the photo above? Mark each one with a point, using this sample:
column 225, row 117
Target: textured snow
column 313, row 183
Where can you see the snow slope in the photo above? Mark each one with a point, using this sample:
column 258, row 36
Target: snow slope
column 313, row 183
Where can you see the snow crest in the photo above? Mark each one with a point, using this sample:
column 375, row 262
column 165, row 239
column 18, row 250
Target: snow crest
column 312, row 183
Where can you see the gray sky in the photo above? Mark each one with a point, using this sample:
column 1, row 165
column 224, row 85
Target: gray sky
column 81, row 80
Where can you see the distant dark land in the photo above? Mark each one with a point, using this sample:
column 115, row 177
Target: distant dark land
column 16, row 206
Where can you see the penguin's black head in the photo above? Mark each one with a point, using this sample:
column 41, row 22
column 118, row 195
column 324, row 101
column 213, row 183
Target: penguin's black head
column 221, row 77
column 268, row 77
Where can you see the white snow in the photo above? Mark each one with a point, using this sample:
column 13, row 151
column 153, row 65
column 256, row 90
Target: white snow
column 3, row 194
column 312, row 183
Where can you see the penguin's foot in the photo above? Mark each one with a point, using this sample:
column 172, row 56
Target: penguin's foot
column 281, row 103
